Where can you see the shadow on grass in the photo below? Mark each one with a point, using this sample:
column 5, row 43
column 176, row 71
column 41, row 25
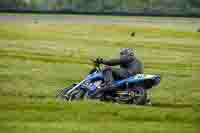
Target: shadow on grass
column 175, row 105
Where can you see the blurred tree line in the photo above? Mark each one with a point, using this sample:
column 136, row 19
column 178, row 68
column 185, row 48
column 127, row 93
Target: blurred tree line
column 104, row 6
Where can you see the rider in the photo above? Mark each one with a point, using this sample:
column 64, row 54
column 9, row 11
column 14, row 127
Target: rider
column 129, row 65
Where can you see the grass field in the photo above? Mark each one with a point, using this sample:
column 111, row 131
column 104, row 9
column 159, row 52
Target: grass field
column 36, row 59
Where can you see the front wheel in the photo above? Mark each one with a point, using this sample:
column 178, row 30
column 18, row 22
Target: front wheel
column 74, row 95
column 62, row 94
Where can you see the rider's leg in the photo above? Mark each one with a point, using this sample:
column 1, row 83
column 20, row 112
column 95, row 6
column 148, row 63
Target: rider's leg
column 108, row 79
column 107, row 86
column 108, row 75
column 117, row 74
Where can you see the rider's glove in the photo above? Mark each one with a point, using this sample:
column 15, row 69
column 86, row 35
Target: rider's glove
column 99, row 60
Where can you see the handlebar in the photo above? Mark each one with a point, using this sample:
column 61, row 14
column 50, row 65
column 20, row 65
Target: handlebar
column 96, row 65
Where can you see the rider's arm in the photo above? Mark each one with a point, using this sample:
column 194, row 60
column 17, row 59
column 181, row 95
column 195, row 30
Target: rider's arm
column 118, row 61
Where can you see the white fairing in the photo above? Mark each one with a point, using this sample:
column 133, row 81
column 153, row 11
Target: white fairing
column 143, row 76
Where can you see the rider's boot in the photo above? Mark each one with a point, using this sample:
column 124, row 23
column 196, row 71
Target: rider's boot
column 99, row 92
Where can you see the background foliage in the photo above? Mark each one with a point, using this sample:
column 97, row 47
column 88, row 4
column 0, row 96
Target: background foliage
column 165, row 7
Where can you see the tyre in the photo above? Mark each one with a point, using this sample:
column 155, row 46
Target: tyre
column 62, row 94
column 76, row 95
column 140, row 96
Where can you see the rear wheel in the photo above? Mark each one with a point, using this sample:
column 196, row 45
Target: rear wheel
column 139, row 96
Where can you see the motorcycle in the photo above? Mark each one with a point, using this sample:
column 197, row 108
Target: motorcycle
column 132, row 90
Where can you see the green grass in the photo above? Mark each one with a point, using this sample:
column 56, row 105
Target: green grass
column 38, row 59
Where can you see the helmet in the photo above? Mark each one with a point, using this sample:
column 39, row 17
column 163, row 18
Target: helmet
column 126, row 52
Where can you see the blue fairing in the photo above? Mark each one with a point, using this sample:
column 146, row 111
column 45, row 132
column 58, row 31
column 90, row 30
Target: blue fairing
column 95, row 76
column 137, row 78
column 133, row 79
